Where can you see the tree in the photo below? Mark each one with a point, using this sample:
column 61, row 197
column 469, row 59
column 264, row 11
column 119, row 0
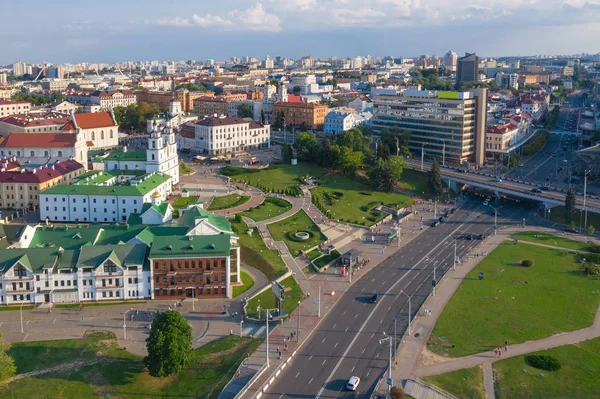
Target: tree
column 279, row 121
column 570, row 206
column 169, row 344
column 348, row 161
column 397, row 165
column 383, row 151
column 244, row 111
column 355, row 140
column 590, row 230
column 397, row 393
column 573, row 226
column 435, row 179
column 381, row 176
column 296, row 90
column 306, row 146
column 7, row 364
column 134, row 116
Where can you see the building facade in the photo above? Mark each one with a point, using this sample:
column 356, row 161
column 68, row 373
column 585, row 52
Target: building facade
column 14, row 107
column 467, row 69
column 33, row 122
column 210, row 106
column 99, row 129
column 443, row 124
column 225, row 135
column 108, row 99
column 301, row 115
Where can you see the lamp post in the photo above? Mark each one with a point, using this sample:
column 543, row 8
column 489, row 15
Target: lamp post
column 434, row 279
column 422, row 155
column 298, row 324
column 443, row 152
column 22, row 331
column 125, row 322
column 241, row 328
column 584, row 196
column 319, row 300
column 409, row 310
column 455, row 260
column 389, row 379
column 395, row 347
column 269, row 314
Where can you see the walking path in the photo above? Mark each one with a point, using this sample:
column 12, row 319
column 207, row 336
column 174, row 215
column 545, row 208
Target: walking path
column 488, row 380
column 256, row 198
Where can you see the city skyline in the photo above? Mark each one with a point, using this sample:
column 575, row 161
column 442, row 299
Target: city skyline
column 135, row 30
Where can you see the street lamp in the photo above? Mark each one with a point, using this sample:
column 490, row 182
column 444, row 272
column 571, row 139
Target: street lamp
column 584, row 195
column 395, row 347
column 298, row 324
column 409, row 310
column 422, row 155
column 22, row 331
column 269, row 314
column 125, row 323
column 241, row 328
column 443, row 152
column 389, row 379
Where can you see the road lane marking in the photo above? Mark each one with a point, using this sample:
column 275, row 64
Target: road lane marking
column 323, row 362
column 281, row 395
column 324, row 339
column 368, row 372
column 362, row 289
column 344, row 313
column 363, row 352
column 378, row 353
column 341, row 359
column 334, row 325
column 297, row 375
column 353, row 367
column 390, row 308
column 310, row 381
column 24, row 338
column 347, row 329
column 336, row 344
column 381, row 322
column 310, row 357
column 356, row 316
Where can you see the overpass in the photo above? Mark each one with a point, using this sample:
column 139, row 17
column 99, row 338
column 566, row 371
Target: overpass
column 509, row 186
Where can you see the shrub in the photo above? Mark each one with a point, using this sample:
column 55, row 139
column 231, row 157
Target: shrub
column 527, row 263
column 365, row 193
column 543, row 362
column 238, row 217
column 594, row 248
column 397, row 393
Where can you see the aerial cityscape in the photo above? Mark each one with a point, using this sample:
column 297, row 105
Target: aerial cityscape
column 301, row 199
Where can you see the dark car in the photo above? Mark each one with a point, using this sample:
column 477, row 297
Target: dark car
column 452, row 211
column 435, row 223
column 374, row 298
column 441, row 219
column 536, row 190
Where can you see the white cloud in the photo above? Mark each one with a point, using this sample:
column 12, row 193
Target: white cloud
column 255, row 18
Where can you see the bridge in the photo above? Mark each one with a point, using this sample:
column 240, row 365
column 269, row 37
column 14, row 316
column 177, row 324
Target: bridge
column 509, row 186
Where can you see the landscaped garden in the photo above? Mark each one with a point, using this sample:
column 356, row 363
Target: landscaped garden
column 292, row 228
column 275, row 177
column 182, row 202
column 184, row 169
column 227, row 201
column 558, row 215
column 576, row 378
column 326, row 259
column 266, row 299
column 418, row 182
column 247, row 283
column 553, row 240
column 353, row 201
column 255, row 253
column 96, row 366
column 270, row 208
column 515, row 303
column 465, row 383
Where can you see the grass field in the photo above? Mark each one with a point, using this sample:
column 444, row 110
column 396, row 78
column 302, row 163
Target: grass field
column 352, row 201
column 557, row 215
column 275, row 177
column 550, row 239
column 270, row 208
column 465, row 383
column 255, row 253
column 247, row 283
column 182, row 202
column 515, row 303
column 315, row 253
column 184, row 169
column 96, row 366
column 418, row 182
column 577, row 378
column 227, row 201
column 9, row 308
column 267, row 299
column 284, row 231
column 326, row 259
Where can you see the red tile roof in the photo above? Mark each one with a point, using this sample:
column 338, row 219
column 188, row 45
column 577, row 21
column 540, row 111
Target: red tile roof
column 40, row 175
column 188, row 132
column 6, row 102
column 36, row 119
column 292, row 98
column 39, row 140
column 94, row 120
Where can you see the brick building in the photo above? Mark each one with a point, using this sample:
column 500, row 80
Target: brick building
column 301, row 115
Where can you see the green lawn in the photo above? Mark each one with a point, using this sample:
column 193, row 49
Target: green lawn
column 353, row 201
column 326, row 259
column 465, row 383
column 247, row 283
column 284, row 231
column 96, row 366
column 9, row 308
column 315, row 253
column 418, row 182
column 515, row 303
column 275, row 177
column 184, row 169
column 267, row 299
column 551, row 239
column 255, row 253
column 577, row 377
column 270, row 208
column 557, row 215
column 182, row 202
column 227, row 201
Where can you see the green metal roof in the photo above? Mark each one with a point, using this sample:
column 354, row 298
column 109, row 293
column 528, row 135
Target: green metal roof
column 142, row 188
column 190, row 219
column 37, row 259
column 189, row 246
column 65, row 237
column 161, row 209
column 122, row 255
column 119, row 155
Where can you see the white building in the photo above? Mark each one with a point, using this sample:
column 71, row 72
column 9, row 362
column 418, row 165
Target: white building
column 339, row 121
column 510, row 80
column 361, row 104
column 450, row 61
column 225, row 135
column 14, row 107
column 41, row 148
column 99, row 129
column 108, row 99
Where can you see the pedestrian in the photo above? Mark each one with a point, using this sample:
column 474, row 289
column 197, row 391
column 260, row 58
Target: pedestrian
column 82, row 317
column 496, row 351
column 284, row 341
column 499, row 352
column 505, row 346
column 279, row 355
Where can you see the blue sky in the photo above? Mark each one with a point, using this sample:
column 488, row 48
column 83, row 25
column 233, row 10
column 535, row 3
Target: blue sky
column 124, row 30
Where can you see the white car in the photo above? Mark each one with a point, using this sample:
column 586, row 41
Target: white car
column 498, row 180
column 353, row 383
column 486, row 203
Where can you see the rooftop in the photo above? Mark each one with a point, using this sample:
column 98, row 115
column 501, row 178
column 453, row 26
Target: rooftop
column 130, row 189
column 120, row 155
column 210, row 246
column 39, row 140
column 36, row 119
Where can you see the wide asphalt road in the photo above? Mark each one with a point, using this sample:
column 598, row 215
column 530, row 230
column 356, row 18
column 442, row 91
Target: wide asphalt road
column 346, row 343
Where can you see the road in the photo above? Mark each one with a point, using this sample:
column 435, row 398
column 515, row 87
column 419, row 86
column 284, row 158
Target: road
column 346, row 343
column 510, row 186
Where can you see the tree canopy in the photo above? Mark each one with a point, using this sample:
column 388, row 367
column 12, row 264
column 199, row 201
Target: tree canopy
column 7, row 364
column 169, row 344
column 435, row 178
column 570, row 206
column 134, row 116
column 37, row 100
column 244, row 111
column 192, row 86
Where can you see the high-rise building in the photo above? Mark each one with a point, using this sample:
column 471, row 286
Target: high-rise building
column 268, row 63
column 18, row 68
column 507, row 80
column 3, row 79
column 467, row 68
column 54, row 72
column 450, row 60
column 443, row 124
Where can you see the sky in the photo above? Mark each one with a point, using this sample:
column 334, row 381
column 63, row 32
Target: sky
column 61, row 31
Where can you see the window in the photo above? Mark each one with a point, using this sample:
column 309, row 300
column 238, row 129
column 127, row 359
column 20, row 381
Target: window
column 59, row 154
column 62, row 283
column 32, row 153
column 110, row 267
